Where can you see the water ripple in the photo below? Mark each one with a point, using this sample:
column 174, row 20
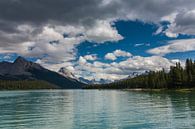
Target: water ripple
column 83, row 109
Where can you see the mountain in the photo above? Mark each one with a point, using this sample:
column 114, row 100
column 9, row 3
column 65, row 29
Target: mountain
column 86, row 81
column 66, row 73
column 21, row 69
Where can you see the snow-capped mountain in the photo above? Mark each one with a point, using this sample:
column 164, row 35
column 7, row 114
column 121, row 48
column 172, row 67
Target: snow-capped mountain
column 65, row 72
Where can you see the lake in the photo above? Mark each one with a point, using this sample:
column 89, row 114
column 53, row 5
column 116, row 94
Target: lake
column 96, row 109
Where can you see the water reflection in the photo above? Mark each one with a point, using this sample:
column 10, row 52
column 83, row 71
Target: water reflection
column 96, row 109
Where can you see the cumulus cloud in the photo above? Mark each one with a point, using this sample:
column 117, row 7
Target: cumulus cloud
column 91, row 57
column 183, row 23
column 117, row 53
column 110, row 56
column 82, row 60
column 102, row 32
column 120, row 53
column 55, row 66
column 119, row 70
column 138, row 63
column 174, row 46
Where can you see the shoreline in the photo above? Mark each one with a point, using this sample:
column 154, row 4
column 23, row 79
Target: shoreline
column 133, row 90
column 160, row 90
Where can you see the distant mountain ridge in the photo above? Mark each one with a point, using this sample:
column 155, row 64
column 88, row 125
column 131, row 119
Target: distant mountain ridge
column 66, row 73
column 21, row 69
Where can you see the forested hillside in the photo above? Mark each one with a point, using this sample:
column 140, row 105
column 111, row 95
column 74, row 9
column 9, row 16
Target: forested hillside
column 26, row 85
column 177, row 77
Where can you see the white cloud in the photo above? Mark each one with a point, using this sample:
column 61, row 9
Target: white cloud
column 174, row 46
column 138, row 63
column 5, row 57
column 110, row 56
column 90, row 57
column 82, row 60
column 170, row 34
column 117, row 53
column 120, row 53
column 183, row 23
column 50, row 34
column 119, row 70
column 102, row 31
column 53, row 66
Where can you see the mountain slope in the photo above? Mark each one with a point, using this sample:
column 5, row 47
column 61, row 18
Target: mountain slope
column 22, row 69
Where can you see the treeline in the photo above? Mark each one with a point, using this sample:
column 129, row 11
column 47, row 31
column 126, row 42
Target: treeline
column 177, row 77
column 25, row 85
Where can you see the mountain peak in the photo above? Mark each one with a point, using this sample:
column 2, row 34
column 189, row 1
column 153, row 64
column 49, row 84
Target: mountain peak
column 65, row 72
column 22, row 69
column 20, row 60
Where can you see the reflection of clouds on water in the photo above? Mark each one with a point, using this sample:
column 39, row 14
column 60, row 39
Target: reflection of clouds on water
column 181, row 105
column 176, row 107
column 96, row 109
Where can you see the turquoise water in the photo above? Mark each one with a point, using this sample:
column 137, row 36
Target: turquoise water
column 96, row 109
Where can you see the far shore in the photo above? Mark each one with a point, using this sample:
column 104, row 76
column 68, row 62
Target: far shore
column 184, row 90
column 160, row 90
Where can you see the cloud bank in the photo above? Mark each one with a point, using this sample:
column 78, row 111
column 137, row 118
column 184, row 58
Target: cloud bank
column 174, row 46
column 118, row 70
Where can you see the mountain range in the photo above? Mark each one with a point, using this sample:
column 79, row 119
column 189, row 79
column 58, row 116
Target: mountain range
column 66, row 73
column 21, row 69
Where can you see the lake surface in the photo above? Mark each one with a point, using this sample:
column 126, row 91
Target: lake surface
column 96, row 109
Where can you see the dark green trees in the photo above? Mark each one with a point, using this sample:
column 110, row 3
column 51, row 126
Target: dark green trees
column 26, row 85
column 177, row 77
column 176, row 74
column 190, row 71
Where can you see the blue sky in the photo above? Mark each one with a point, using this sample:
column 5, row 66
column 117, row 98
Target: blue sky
column 98, row 39
column 138, row 38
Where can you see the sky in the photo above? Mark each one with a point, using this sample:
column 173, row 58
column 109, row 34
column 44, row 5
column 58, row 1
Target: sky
column 98, row 39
